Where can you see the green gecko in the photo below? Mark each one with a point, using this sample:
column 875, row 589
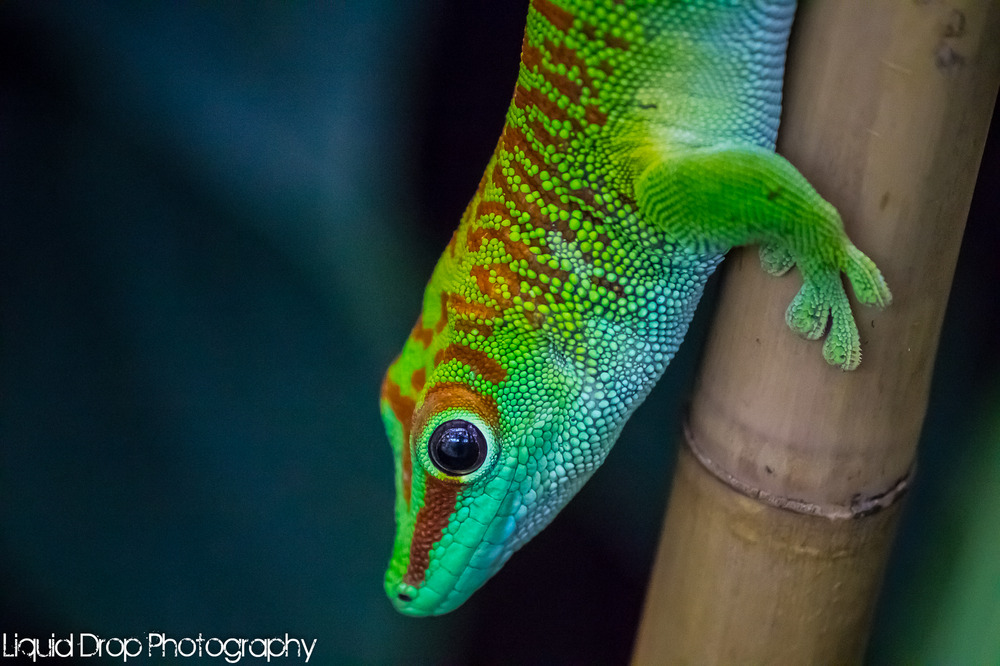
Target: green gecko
column 638, row 149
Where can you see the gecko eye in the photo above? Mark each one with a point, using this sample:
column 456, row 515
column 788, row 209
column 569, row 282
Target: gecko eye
column 457, row 447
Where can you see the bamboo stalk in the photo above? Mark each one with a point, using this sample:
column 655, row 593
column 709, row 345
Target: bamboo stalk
column 784, row 500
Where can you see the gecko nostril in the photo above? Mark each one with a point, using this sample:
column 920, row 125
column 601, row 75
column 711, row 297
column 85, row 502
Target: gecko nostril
column 404, row 597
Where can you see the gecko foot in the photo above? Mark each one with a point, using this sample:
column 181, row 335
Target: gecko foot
column 822, row 301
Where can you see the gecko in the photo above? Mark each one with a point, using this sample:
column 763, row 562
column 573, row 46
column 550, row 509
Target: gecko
column 638, row 149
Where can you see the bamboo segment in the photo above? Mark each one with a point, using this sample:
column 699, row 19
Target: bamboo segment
column 781, row 576
column 783, row 506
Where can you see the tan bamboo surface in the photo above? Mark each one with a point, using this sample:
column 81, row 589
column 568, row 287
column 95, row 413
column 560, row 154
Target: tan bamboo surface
column 784, row 501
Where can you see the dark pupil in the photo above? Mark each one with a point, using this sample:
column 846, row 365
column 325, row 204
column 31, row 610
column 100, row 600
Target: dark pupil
column 457, row 447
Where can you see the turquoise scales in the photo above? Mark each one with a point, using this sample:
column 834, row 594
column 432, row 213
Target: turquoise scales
column 638, row 149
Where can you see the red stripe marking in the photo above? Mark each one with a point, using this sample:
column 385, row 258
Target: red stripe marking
column 432, row 520
column 497, row 208
column 464, row 308
column 537, row 130
column 492, row 289
column 470, row 327
column 516, row 249
column 479, row 361
column 525, row 98
column 557, row 16
column 454, row 394
column 422, row 335
column 515, row 141
column 402, row 407
column 443, row 320
column 418, row 379
column 567, row 56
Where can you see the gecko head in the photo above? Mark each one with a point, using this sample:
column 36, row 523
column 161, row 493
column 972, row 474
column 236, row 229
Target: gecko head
column 448, row 538
column 481, row 467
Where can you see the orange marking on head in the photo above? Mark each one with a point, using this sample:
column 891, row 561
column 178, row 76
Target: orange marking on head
column 531, row 56
column 594, row 115
column 443, row 319
column 453, row 394
column 567, row 86
column 512, row 193
column 474, row 327
column 418, row 379
column 525, row 98
column 479, row 361
column 539, row 133
column 562, row 54
column 485, row 208
column 464, row 308
column 518, row 250
column 591, row 32
column 492, row 289
column 617, row 42
column 422, row 335
column 402, row 408
column 432, row 520
column 514, row 141
column 557, row 16
column 533, row 182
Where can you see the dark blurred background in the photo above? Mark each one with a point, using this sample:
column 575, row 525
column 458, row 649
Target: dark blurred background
column 216, row 221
